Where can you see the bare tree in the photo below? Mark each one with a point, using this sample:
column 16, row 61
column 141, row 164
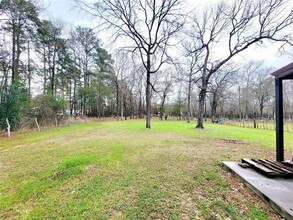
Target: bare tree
column 121, row 73
column 165, row 86
column 288, row 102
column 149, row 25
column 237, row 26
column 245, row 77
column 263, row 88
column 188, row 74
column 219, row 84
column 139, row 91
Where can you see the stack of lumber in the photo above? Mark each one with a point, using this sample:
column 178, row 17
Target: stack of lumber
column 270, row 168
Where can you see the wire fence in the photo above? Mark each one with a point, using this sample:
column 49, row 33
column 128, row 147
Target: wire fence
column 261, row 124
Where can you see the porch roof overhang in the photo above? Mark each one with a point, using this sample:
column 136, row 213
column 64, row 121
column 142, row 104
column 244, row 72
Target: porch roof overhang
column 285, row 72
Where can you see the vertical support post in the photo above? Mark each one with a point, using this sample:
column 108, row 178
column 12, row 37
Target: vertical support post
column 279, row 120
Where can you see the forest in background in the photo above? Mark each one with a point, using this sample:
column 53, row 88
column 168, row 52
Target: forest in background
column 47, row 77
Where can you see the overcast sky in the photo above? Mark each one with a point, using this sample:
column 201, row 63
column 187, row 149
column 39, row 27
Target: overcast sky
column 64, row 10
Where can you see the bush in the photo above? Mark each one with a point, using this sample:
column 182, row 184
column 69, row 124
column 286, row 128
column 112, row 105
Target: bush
column 14, row 104
column 46, row 108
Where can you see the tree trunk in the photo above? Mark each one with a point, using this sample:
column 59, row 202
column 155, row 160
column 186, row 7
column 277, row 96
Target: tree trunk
column 13, row 50
column 122, row 107
column 52, row 80
column 201, row 107
column 239, row 103
column 4, row 81
column 117, row 99
column 203, row 92
column 29, row 67
column 148, row 94
column 86, row 85
column 246, row 107
column 44, row 71
column 18, row 51
column 162, row 106
column 189, row 100
column 131, row 106
column 140, row 107
column 74, row 105
column 214, row 107
column 261, row 111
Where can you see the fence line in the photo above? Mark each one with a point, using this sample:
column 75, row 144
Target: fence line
column 261, row 124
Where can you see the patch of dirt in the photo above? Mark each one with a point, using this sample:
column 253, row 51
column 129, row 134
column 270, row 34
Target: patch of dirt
column 116, row 214
column 229, row 141
column 55, row 175
column 55, row 139
column 91, row 170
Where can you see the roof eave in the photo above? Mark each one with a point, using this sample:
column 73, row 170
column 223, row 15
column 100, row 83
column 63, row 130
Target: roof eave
column 285, row 72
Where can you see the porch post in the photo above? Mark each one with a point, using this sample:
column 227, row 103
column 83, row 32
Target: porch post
column 279, row 120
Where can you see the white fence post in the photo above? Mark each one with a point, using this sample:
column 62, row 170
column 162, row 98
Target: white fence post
column 36, row 120
column 8, row 127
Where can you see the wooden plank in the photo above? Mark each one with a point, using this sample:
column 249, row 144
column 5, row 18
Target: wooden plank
column 269, row 166
column 270, row 169
column 289, row 173
column 284, row 173
column 274, row 167
column 281, row 165
column 259, row 167
column 288, row 163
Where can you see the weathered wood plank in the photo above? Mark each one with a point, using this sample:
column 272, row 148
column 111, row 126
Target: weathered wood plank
column 269, row 168
column 260, row 168
column 274, row 167
column 281, row 165
column 288, row 163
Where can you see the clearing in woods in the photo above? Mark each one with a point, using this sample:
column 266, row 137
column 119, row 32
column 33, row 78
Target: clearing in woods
column 120, row 170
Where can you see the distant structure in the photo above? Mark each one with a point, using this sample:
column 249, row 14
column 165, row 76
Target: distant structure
column 285, row 73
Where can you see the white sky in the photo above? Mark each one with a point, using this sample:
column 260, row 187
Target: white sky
column 64, row 10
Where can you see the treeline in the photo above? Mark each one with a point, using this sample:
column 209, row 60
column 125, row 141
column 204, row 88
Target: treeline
column 44, row 75
column 47, row 75
column 247, row 92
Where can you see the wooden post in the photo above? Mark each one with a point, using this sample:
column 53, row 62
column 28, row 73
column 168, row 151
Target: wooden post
column 8, row 127
column 38, row 126
column 279, row 120
column 56, row 122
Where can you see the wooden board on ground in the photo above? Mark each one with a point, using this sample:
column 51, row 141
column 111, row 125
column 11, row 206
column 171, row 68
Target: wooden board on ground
column 270, row 168
column 288, row 163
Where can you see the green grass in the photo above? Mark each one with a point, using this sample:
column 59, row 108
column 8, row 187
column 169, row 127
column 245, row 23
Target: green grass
column 120, row 170
column 265, row 138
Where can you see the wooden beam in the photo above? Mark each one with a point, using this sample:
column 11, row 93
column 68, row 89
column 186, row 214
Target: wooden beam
column 264, row 170
column 279, row 120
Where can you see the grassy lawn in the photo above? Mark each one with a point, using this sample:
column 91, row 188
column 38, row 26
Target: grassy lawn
column 120, row 170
